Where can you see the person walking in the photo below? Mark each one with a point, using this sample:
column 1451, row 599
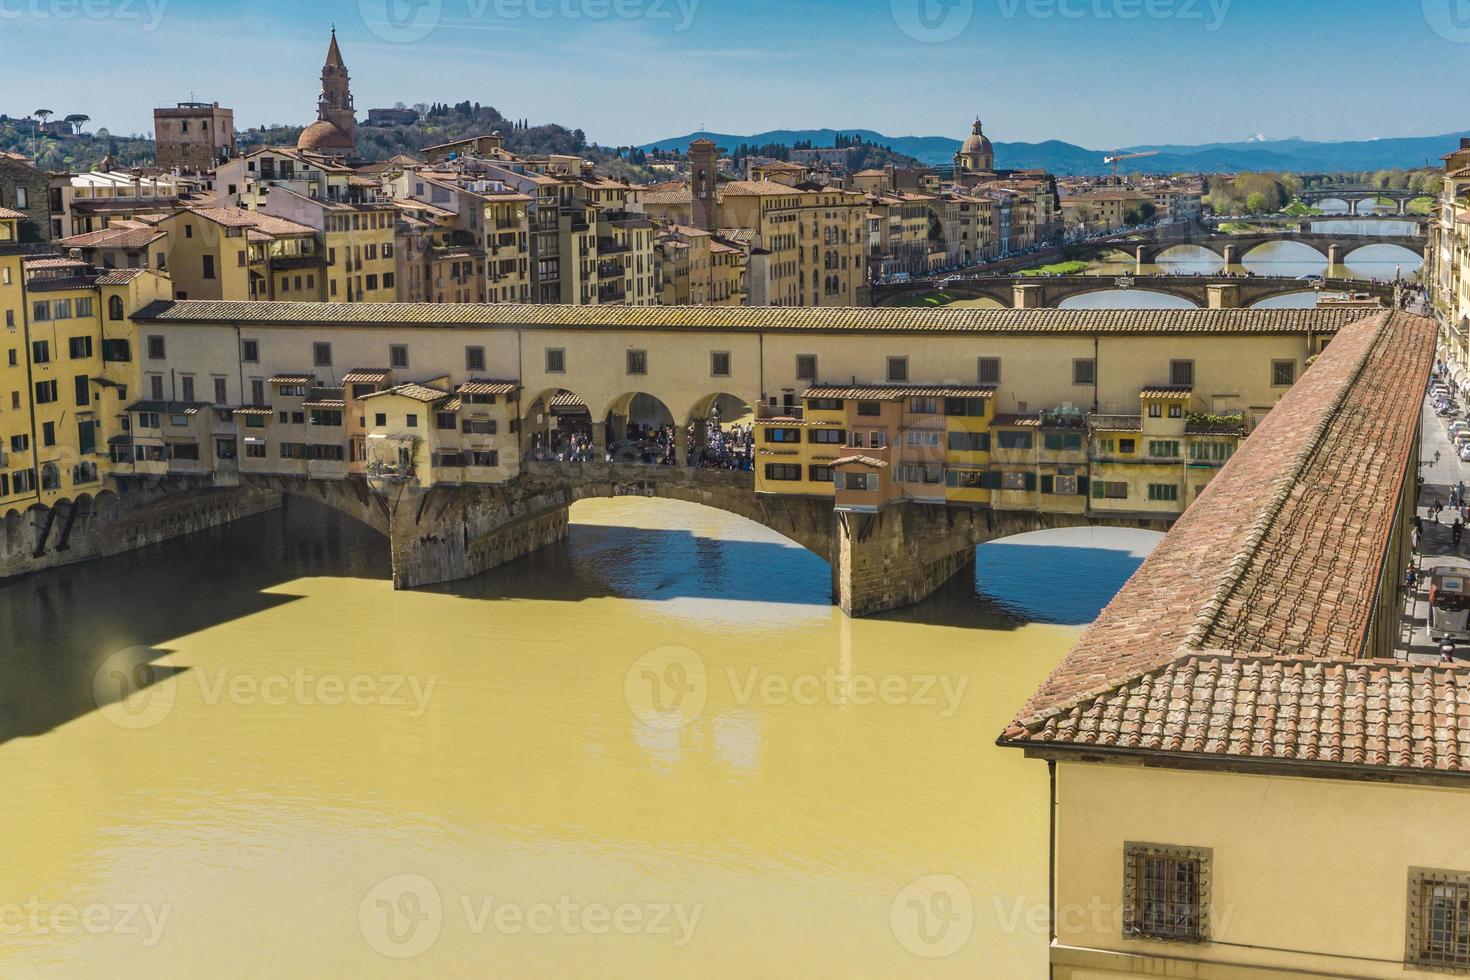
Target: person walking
column 1455, row 531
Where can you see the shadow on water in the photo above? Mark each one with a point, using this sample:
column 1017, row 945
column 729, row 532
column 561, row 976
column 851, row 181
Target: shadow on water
column 1016, row 585
column 62, row 625
column 655, row 564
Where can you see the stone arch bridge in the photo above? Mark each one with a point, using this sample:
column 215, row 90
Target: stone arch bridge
column 1233, row 249
column 879, row 562
column 1217, row 292
column 1355, row 194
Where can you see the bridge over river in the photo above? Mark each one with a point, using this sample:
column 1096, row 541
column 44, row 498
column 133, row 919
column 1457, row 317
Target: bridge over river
column 1211, row 292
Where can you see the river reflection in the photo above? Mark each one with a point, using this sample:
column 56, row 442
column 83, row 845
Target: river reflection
column 518, row 758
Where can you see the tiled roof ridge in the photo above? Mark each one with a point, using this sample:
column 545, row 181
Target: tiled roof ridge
column 1209, row 613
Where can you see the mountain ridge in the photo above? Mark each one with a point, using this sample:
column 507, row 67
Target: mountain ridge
column 1070, row 159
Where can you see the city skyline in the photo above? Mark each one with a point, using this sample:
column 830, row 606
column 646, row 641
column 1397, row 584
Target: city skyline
column 1013, row 61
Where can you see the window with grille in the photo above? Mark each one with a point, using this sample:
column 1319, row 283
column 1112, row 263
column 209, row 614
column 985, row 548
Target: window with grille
column 1283, row 373
column 1084, row 371
column 1181, row 373
column 1166, row 892
column 989, row 371
column 719, row 364
column 1439, row 919
column 556, row 360
column 637, row 362
column 898, row 369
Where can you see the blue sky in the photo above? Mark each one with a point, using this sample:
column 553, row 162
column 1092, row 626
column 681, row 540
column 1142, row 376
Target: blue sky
column 1101, row 73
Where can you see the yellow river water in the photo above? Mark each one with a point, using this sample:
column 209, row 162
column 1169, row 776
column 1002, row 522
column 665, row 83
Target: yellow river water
column 652, row 751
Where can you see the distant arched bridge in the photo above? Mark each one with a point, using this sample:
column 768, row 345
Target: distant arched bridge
column 1354, row 194
column 1233, row 249
column 1217, row 292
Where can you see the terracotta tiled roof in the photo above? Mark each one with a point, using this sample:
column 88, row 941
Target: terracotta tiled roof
column 1243, row 633
column 358, row 376
column 861, row 460
column 1017, row 421
column 11, row 213
column 418, row 392
column 752, row 318
column 1167, row 391
column 893, row 393
column 291, row 379
column 488, row 386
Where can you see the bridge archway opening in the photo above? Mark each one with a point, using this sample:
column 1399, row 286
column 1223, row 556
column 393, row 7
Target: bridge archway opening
column 1383, row 261
column 1062, row 575
column 1284, row 258
column 1126, row 299
column 704, row 562
column 639, row 428
column 1332, row 205
column 558, row 426
column 1304, row 300
column 719, row 432
column 1189, row 259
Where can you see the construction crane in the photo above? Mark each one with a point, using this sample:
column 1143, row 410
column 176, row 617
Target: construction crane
column 1117, row 157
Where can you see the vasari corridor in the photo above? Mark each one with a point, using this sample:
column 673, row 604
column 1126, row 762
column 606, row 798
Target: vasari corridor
column 855, row 490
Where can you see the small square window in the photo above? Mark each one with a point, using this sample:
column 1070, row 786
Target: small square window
column 1181, row 374
column 398, row 355
column 321, row 354
column 250, row 351
column 1439, row 919
column 806, row 367
column 637, row 362
column 474, row 358
column 989, row 371
column 156, row 349
column 898, row 369
column 1166, row 892
column 556, row 360
column 1084, row 371
column 719, row 364
column 1283, row 373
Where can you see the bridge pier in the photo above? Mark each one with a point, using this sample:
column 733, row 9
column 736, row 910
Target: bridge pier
column 1223, row 296
column 448, row 534
column 1334, row 256
column 1231, row 254
column 1027, row 296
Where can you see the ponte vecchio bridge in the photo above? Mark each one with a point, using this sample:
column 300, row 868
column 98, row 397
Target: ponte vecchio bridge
column 300, row 395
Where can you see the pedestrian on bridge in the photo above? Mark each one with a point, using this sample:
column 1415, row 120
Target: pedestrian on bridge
column 1455, row 530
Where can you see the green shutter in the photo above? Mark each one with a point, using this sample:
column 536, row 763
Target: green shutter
column 1030, row 481
column 1048, row 484
column 1082, row 482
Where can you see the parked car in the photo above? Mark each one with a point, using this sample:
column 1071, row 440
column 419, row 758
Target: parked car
column 1465, row 452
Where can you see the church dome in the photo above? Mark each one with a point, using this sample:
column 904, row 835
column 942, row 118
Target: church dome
column 322, row 135
column 976, row 142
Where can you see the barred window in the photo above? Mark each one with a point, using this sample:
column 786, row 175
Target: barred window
column 1439, row 919
column 1166, row 892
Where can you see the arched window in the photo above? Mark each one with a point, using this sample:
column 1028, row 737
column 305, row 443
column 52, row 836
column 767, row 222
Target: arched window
column 50, row 477
column 115, row 308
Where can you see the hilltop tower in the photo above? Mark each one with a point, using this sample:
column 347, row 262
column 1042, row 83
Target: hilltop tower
column 335, row 130
column 703, row 173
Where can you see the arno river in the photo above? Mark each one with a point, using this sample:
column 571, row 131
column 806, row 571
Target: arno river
column 308, row 737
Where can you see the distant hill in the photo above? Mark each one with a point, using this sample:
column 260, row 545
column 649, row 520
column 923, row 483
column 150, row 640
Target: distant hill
column 1297, row 155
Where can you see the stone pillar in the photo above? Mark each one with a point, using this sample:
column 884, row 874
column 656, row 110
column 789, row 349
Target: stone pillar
column 1334, row 256
column 901, row 554
column 1223, row 296
column 1304, row 227
column 1026, row 296
column 452, row 533
column 1140, row 259
column 1403, row 206
column 1230, row 256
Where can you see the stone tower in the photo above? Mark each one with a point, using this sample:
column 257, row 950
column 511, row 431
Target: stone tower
column 703, row 174
column 335, row 130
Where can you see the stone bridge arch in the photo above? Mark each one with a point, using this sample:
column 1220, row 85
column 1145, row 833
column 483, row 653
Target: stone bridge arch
column 1000, row 292
column 1189, row 292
